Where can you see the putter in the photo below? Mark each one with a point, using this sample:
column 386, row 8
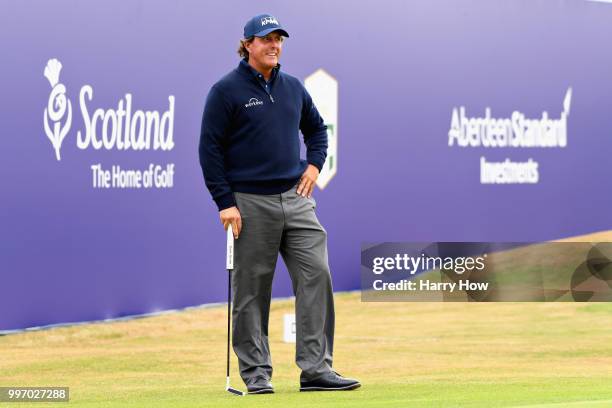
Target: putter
column 229, row 263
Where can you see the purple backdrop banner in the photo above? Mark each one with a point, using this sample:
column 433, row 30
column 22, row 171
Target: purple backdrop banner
column 456, row 121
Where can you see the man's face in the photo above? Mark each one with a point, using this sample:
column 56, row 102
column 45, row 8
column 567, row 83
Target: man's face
column 264, row 52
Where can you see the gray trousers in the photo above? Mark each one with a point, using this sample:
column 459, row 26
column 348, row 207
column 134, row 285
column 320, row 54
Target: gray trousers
column 284, row 223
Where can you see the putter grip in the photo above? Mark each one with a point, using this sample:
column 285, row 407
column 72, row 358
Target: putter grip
column 229, row 259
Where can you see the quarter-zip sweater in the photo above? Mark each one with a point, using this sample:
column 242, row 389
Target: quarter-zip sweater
column 250, row 142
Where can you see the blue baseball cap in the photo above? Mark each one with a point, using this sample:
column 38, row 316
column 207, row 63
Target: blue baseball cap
column 262, row 25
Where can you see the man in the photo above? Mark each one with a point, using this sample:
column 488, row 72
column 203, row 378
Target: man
column 250, row 156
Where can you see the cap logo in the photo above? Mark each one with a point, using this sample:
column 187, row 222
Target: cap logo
column 268, row 20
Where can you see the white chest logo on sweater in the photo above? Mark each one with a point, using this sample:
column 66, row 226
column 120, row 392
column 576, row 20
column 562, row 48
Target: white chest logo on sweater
column 253, row 102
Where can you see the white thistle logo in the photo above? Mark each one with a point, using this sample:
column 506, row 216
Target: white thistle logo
column 56, row 107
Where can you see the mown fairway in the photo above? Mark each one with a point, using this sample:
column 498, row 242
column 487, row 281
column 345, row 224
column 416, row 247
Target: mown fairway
column 405, row 354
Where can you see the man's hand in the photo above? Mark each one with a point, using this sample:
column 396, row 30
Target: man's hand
column 231, row 216
column 307, row 182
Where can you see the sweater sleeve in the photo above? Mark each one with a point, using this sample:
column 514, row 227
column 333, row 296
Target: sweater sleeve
column 314, row 131
column 215, row 121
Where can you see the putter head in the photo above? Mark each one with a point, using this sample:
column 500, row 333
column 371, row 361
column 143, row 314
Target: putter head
column 235, row 391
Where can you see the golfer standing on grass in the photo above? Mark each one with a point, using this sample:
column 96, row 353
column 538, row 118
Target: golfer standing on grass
column 250, row 157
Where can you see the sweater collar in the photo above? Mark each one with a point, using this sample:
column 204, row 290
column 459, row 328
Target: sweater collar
column 245, row 68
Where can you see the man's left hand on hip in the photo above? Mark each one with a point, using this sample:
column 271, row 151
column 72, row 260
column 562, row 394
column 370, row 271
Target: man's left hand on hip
column 308, row 180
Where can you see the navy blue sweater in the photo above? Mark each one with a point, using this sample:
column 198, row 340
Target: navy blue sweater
column 250, row 134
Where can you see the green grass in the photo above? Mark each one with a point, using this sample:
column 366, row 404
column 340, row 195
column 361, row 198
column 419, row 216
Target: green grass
column 405, row 354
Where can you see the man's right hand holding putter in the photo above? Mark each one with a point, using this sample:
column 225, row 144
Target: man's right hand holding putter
column 231, row 216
